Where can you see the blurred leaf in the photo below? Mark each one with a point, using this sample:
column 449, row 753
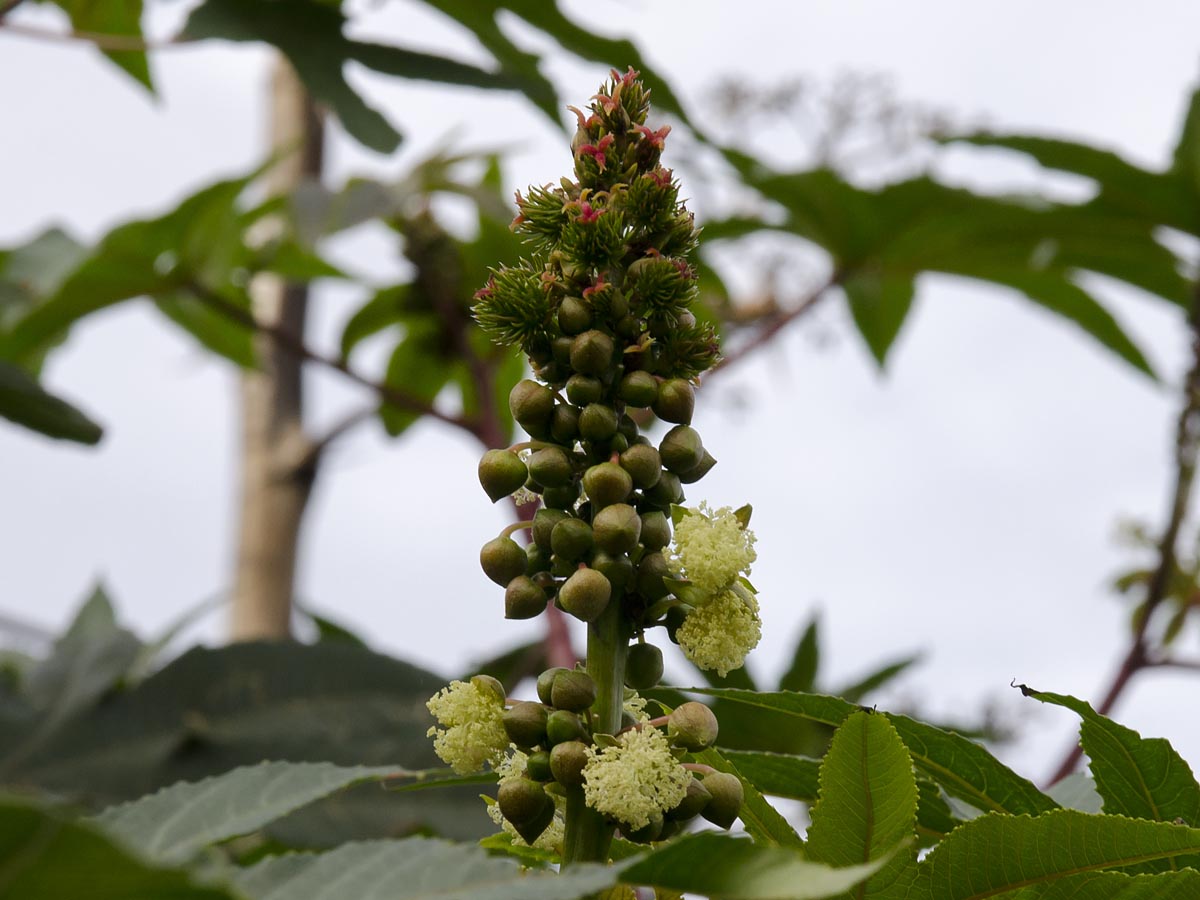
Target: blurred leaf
column 762, row 821
column 386, row 308
column 964, row 769
column 1186, row 161
column 47, row 857
column 802, row 673
column 414, row 869
column 176, row 823
column 310, row 34
column 24, row 402
column 294, row 262
column 511, row 667
column 867, row 806
column 119, row 18
column 329, row 630
column 31, row 271
column 879, row 307
column 213, row 330
column 150, row 653
column 877, row 679
column 725, row 866
column 418, row 368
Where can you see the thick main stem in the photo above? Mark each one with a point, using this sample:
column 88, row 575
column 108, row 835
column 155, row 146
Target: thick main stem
column 277, row 468
column 588, row 836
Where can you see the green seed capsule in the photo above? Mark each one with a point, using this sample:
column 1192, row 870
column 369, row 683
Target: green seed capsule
column 574, row 316
column 561, row 567
column 648, row 833
column 561, row 497
column 545, row 683
column 699, row 470
column 523, row 599
column 564, row 424
column 597, row 422
column 692, row 726
column 681, row 449
column 692, row 804
column 567, row 761
column 656, row 530
column 617, row 569
column 571, row 539
column 727, row 796
column 591, row 353
column 649, row 577
column 563, row 725
column 525, row 724
column 532, row 405
column 666, row 490
column 585, row 595
column 617, row 528
column 537, row 766
column 544, row 521
column 560, row 349
column 643, row 667
column 550, row 466
column 522, row 800
column 501, row 472
column 676, row 401
column 538, row 560
column 638, row 389
column 584, row 389
column 606, row 484
column 573, row 690
column 503, row 559
column 644, row 465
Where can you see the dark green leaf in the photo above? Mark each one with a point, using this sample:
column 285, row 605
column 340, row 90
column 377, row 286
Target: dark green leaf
column 418, row 368
column 964, row 769
column 1144, row 778
column 119, row 18
column 879, row 306
column 762, row 821
column 297, row 263
column 1115, row 886
column 875, row 680
column 329, row 630
column 24, row 402
column 385, row 309
column 1186, row 162
column 867, row 806
column 32, row 271
column 511, row 667
column 732, row 868
column 43, row 856
column 212, row 329
column 802, row 673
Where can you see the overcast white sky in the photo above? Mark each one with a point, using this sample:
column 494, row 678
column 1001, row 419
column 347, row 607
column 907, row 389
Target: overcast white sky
column 963, row 504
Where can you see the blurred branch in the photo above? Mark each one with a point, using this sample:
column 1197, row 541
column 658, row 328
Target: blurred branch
column 1187, row 447
column 114, row 42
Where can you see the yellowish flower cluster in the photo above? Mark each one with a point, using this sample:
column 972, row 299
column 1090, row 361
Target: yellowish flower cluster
column 473, row 732
column 711, row 549
column 636, row 780
column 718, row 635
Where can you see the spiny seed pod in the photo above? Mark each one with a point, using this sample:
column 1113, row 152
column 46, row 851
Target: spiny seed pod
column 567, row 761
column 617, row 528
column 699, row 470
column 522, row 800
column 523, row 599
column 550, row 466
column 676, row 401
column 618, row 569
column 643, row 667
column 532, row 405
column 501, row 472
column 727, row 797
column 573, row 690
column 537, row 766
column 681, row 449
column 562, row 725
column 644, row 465
column 597, row 422
column 656, row 530
column 648, row 580
column 606, row 484
column 692, row 726
column 544, row 521
column 545, row 683
column 585, row 595
column 591, row 352
column 638, row 389
column 525, row 724
column 502, row 559
column 698, row 797
column 584, row 389
column 491, row 685
column 574, row 316
column 571, row 540
column 564, row 424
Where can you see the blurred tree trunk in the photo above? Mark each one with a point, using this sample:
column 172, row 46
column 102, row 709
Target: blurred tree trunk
column 278, row 468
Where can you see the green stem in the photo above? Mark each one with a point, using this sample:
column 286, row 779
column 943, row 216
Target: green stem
column 588, row 836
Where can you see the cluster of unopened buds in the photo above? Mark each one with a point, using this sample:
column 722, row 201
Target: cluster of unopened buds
column 637, row 777
column 605, row 311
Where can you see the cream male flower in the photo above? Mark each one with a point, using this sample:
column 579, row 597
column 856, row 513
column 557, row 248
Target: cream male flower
column 473, row 731
column 636, row 779
column 718, row 635
column 711, row 549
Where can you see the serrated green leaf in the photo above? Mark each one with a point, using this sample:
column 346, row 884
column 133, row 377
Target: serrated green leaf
column 1115, row 886
column 45, row 856
column 25, row 402
column 414, row 869
column 802, row 673
column 761, row 820
column 1076, row 791
column 732, row 868
column 997, row 853
column 174, row 824
column 879, row 306
column 1144, row 778
column 867, row 805
column 965, row 769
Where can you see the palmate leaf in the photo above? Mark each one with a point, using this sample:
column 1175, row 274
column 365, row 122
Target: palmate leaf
column 963, row 768
column 1144, row 778
column 731, row 868
column 414, row 869
column 997, row 853
column 175, row 823
column 867, row 806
